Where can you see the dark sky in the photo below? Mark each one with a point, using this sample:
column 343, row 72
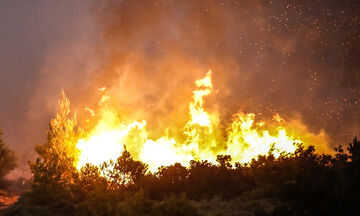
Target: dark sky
column 298, row 58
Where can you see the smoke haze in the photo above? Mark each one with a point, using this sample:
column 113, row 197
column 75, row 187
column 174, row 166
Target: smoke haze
column 297, row 58
column 45, row 46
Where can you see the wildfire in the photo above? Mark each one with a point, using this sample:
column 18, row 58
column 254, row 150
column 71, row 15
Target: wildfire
column 244, row 140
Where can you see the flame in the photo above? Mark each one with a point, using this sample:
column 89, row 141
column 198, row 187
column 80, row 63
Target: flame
column 244, row 139
column 246, row 142
column 197, row 112
column 106, row 141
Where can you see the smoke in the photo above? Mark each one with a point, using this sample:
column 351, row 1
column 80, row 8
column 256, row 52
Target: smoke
column 294, row 58
column 45, row 46
column 297, row 58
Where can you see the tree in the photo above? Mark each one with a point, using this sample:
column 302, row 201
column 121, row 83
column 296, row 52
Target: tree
column 352, row 178
column 55, row 164
column 175, row 206
column 224, row 161
column 171, row 179
column 354, row 150
column 125, row 171
column 7, row 160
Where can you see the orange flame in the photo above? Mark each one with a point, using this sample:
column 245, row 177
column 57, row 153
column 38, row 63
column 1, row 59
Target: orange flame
column 245, row 140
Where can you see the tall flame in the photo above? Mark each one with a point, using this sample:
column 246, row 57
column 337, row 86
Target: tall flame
column 244, row 140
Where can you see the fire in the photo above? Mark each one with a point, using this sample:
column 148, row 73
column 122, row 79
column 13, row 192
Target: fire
column 244, row 139
column 246, row 142
column 103, row 144
column 197, row 112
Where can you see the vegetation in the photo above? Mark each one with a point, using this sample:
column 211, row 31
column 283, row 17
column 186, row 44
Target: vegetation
column 302, row 183
column 7, row 161
column 55, row 164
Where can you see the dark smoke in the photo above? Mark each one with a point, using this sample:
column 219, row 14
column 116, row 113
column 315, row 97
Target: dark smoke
column 298, row 58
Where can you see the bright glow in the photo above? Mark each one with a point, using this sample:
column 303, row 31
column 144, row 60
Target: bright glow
column 244, row 140
column 105, row 143
column 162, row 153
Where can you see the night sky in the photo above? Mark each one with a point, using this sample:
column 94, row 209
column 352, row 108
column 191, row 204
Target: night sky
column 298, row 58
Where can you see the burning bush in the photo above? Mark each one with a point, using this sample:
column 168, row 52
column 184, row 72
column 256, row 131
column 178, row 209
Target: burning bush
column 286, row 179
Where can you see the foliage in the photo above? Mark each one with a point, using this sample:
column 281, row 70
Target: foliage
column 302, row 183
column 42, row 201
column 175, row 206
column 125, row 171
column 55, row 164
column 136, row 204
column 7, row 161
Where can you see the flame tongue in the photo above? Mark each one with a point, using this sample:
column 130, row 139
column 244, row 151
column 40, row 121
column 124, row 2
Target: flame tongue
column 244, row 141
column 197, row 112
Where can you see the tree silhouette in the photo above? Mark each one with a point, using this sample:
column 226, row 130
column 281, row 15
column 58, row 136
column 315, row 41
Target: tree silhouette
column 7, row 160
column 302, row 183
column 224, row 161
column 125, row 171
column 171, row 179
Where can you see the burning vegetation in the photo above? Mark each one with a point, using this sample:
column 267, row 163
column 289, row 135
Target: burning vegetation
column 202, row 137
column 162, row 136
column 115, row 168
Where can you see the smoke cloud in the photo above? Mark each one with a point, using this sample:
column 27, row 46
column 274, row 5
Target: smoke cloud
column 297, row 58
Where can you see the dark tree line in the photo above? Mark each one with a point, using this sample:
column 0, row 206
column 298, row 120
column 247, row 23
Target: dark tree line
column 301, row 183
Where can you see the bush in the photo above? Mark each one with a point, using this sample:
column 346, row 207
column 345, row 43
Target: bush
column 7, row 161
column 175, row 206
